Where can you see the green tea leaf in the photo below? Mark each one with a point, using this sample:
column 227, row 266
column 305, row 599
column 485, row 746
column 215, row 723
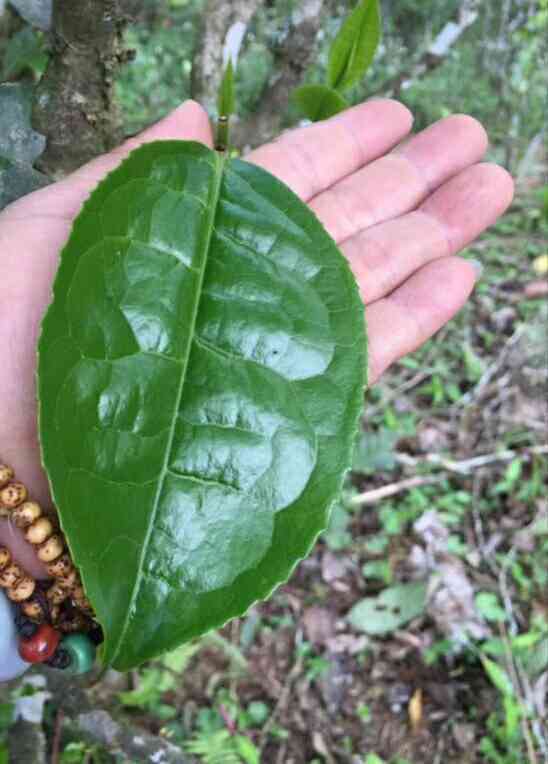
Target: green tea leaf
column 201, row 371
column 391, row 609
column 226, row 101
column 498, row 676
column 318, row 102
column 489, row 606
column 247, row 750
column 353, row 49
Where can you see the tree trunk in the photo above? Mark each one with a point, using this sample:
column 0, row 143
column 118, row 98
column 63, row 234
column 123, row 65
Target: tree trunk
column 74, row 105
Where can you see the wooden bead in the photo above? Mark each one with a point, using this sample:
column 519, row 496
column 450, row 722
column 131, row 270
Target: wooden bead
column 51, row 549
column 75, row 623
column 22, row 590
column 13, row 494
column 10, row 575
column 54, row 612
column 69, row 581
column 57, row 593
column 5, row 557
column 84, row 605
column 82, row 653
column 61, row 567
column 39, row 531
column 41, row 646
column 26, row 514
column 6, row 474
column 33, row 609
column 78, row 593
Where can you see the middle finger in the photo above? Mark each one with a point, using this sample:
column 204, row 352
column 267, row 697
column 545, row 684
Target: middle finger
column 399, row 182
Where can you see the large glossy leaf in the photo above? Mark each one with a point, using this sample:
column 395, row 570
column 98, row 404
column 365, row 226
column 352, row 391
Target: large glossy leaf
column 354, row 47
column 201, row 371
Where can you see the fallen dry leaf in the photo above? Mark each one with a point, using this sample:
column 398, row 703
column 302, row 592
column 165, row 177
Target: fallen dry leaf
column 414, row 710
column 319, row 625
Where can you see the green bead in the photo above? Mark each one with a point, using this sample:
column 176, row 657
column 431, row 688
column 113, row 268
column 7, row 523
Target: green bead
column 82, row 653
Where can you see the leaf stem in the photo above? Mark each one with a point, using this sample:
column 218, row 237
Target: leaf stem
column 221, row 142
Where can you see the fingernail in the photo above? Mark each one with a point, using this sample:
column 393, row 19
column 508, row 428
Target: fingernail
column 478, row 268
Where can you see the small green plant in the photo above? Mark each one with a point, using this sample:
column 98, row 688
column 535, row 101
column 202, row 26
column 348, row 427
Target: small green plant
column 390, row 610
column 155, row 680
column 82, row 753
column 6, row 717
column 214, row 743
column 509, row 728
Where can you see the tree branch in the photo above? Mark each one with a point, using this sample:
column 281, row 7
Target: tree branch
column 291, row 60
column 437, row 52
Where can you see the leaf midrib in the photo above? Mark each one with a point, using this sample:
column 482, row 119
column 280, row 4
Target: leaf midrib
column 213, row 202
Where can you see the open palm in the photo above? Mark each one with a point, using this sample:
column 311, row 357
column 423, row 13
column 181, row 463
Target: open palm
column 399, row 212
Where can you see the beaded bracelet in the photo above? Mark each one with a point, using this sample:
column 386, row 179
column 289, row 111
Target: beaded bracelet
column 54, row 618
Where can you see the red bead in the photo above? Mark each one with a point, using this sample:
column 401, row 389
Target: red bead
column 41, row 646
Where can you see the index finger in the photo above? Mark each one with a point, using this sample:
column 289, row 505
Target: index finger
column 311, row 159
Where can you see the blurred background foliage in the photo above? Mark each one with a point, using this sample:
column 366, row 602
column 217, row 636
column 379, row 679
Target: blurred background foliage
column 496, row 71
column 417, row 631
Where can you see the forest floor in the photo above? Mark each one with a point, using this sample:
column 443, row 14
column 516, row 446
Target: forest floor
column 446, row 513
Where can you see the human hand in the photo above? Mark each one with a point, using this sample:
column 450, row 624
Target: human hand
column 399, row 213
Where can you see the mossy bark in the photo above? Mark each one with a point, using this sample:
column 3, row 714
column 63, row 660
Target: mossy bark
column 74, row 107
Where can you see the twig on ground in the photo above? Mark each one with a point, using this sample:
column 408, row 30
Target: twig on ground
column 377, row 494
column 505, row 594
column 529, row 424
column 481, row 541
column 467, row 466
